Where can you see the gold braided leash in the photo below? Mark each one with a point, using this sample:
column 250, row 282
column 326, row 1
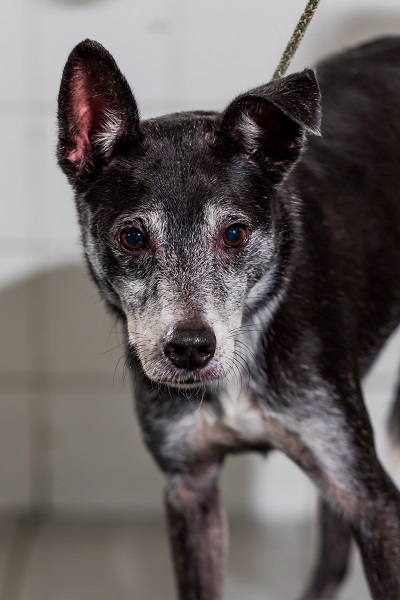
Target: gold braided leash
column 296, row 38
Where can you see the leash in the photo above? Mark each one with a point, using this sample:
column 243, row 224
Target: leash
column 296, row 38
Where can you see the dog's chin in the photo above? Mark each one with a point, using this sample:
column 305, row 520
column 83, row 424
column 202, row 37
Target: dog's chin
column 185, row 386
column 188, row 384
column 189, row 379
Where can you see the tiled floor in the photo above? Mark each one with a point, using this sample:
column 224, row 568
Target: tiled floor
column 129, row 561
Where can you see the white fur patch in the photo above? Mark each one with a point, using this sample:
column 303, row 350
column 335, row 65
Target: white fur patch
column 241, row 416
column 324, row 432
column 251, row 133
column 217, row 214
column 179, row 435
column 110, row 130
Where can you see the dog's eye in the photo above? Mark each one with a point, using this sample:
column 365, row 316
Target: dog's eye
column 132, row 239
column 235, row 236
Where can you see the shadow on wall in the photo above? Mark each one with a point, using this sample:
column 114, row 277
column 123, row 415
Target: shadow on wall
column 358, row 27
column 69, row 441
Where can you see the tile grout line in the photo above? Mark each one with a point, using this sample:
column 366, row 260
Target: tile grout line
column 39, row 401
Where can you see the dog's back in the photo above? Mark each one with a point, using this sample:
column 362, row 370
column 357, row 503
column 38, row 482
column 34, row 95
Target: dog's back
column 348, row 181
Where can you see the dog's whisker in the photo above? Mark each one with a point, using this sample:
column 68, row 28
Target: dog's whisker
column 111, row 349
column 116, row 367
column 246, row 348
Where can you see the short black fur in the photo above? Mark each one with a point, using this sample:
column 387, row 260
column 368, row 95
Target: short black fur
column 299, row 309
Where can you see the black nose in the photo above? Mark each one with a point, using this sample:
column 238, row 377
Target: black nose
column 190, row 349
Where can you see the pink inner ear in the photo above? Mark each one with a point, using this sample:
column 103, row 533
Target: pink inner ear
column 81, row 118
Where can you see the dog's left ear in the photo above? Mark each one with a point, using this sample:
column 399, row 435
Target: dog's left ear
column 270, row 123
column 97, row 113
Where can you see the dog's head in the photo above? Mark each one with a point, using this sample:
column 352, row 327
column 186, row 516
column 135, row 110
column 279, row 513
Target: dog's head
column 184, row 227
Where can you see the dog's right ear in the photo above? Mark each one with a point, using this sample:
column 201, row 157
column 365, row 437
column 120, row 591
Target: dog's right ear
column 97, row 113
column 269, row 124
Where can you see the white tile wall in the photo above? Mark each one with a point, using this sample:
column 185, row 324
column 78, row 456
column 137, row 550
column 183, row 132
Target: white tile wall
column 136, row 32
column 35, row 164
column 281, row 491
column 60, row 221
column 12, row 55
column 13, row 222
column 67, row 438
column 229, row 49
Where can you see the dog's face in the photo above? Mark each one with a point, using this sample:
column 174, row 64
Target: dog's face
column 182, row 222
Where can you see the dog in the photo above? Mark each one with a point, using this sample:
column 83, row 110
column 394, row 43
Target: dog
column 255, row 267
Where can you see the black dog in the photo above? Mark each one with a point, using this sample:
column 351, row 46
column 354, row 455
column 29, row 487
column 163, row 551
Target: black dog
column 257, row 281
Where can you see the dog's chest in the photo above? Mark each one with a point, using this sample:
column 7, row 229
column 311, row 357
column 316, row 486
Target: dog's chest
column 238, row 420
column 232, row 422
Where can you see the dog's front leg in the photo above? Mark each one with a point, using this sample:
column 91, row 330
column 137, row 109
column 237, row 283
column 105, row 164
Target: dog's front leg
column 333, row 555
column 175, row 431
column 196, row 530
column 333, row 443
